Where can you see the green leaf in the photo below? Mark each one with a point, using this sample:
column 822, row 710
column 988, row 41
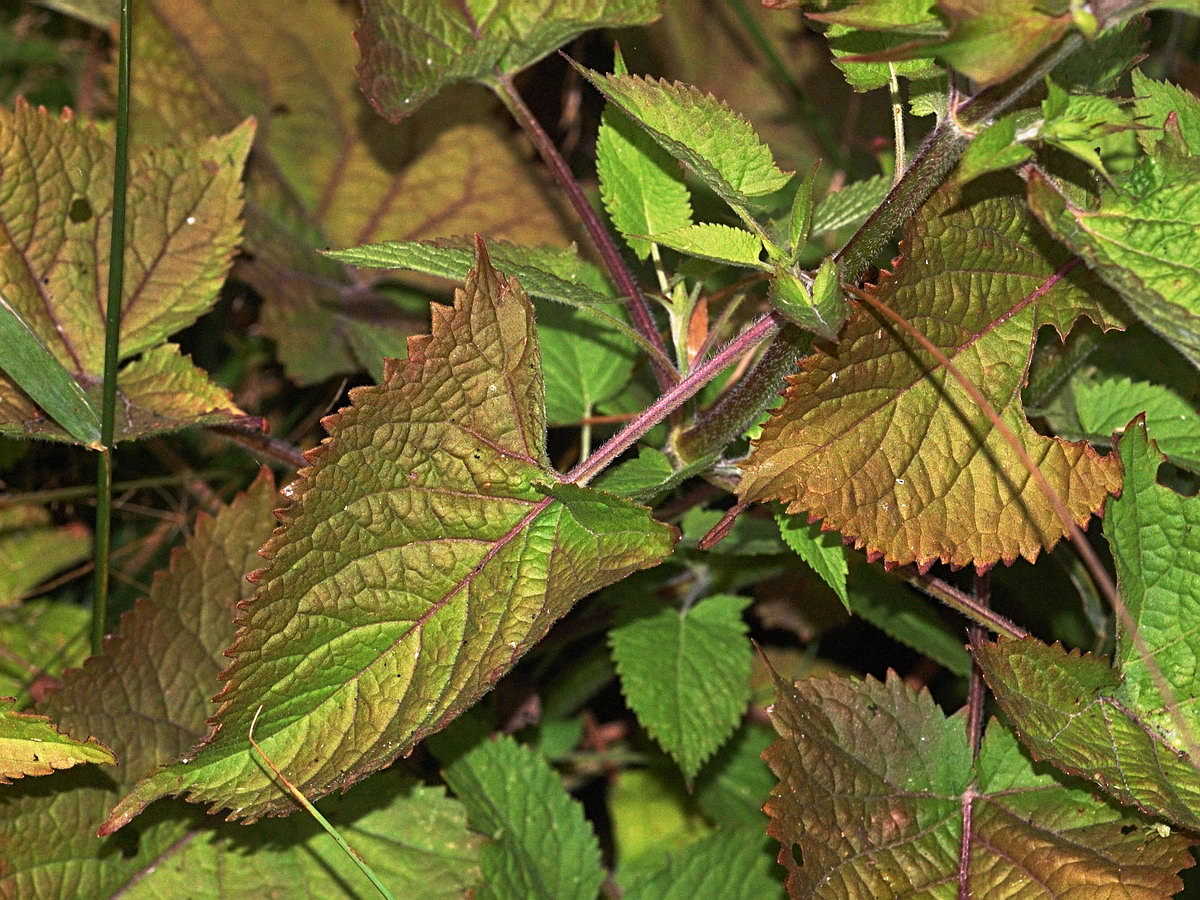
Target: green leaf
column 48, row 840
column 55, row 214
column 702, row 132
column 1154, row 101
column 414, row 838
column 906, row 617
column 37, row 372
column 821, row 309
column 731, row 786
column 411, row 49
column 993, row 149
column 721, row 243
column 31, row 745
column 977, row 279
column 640, row 184
column 1142, row 239
column 731, row 863
column 1081, row 123
column 652, row 816
column 646, row 472
column 584, row 363
column 686, row 674
column 822, row 551
column 542, row 847
column 875, row 30
column 801, row 218
column 1111, row 724
column 41, row 638
column 749, row 535
column 32, row 549
column 430, row 545
column 1106, row 405
column 551, row 272
column 849, row 206
column 853, row 752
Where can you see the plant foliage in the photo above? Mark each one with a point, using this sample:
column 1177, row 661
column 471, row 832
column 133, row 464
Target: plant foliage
column 654, row 521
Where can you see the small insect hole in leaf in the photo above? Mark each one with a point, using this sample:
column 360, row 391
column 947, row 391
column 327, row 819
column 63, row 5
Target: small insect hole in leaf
column 80, row 211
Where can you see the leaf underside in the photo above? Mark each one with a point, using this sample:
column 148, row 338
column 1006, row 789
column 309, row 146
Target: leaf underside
column 430, row 545
column 878, row 440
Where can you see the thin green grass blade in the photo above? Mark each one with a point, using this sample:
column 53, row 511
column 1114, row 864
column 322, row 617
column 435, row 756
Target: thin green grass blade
column 316, row 814
column 36, row 371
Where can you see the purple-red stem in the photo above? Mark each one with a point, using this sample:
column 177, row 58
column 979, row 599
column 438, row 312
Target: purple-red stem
column 639, row 309
column 976, row 695
column 671, row 400
column 979, row 614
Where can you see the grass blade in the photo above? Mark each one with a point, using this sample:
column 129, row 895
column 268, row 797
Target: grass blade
column 36, row 371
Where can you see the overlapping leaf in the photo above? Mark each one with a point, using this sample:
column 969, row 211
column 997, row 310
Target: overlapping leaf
column 641, row 186
column 146, row 697
column 873, row 783
column 413, row 48
column 686, row 673
column 1112, row 724
column 1143, row 238
column 542, row 845
column 879, row 441
column 326, row 170
column 1106, row 405
column 700, row 131
column 31, row 745
column 185, row 209
column 430, row 546
column 731, row 863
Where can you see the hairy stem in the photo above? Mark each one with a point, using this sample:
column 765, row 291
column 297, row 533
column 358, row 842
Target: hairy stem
column 639, row 309
column 671, row 401
column 976, row 694
column 963, row 603
column 741, row 405
column 112, row 333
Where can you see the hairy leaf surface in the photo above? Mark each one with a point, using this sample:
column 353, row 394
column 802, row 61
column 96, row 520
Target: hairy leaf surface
column 430, row 545
column 185, row 207
column 878, row 440
column 1112, row 724
column 31, row 745
column 413, row 48
column 542, row 846
column 873, row 779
